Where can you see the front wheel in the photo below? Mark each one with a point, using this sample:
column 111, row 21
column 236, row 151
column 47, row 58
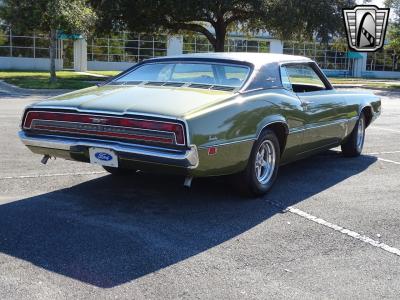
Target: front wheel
column 262, row 167
column 355, row 142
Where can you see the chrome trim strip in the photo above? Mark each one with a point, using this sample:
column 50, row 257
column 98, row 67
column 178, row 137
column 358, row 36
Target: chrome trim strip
column 273, row 122
column 188, row 158
column 227, row 143
column 115, row 114
column 194, row 61
column 116, row 142
column 318, row 70
column 298, row 129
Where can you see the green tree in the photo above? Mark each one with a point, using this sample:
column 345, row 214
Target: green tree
column 393, row 35
column 394, row 39
column 70, row 16
column 214, row 18
column 394, row 6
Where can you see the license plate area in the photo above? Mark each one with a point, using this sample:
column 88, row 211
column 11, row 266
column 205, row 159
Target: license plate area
column 103, row 157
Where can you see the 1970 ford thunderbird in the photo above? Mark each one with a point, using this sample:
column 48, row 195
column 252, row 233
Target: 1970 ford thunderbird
column 204, row 115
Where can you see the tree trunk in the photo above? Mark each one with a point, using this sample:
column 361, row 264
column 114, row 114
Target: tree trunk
column 220, row 45
column 53, row 54
column 220, row 35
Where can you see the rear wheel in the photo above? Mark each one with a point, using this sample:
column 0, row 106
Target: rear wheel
column 355, row 142
column 119, row 171
column 262, row 167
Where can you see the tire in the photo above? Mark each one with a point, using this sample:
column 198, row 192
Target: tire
column 119, row 171
column 354, row 144
column 256, row 179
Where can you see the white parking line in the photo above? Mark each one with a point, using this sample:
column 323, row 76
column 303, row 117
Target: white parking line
column 348, row 232
column 383, row 152
column 51, row 175
column 345, row 231
column 381, row 159
column 389, row 161
column 387, row 129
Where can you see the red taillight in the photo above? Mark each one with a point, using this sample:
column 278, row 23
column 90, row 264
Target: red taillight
column 160, row 126
column 39, row 115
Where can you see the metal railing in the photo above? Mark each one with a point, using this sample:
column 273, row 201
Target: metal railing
column 15, row 45
column 199, row 44
column 383, row 60
column 126, row 47
column 134, row 47
column 327, row 56
column 123, row 47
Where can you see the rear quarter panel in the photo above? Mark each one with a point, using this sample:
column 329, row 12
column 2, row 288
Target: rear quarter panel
column 358, row 100
column 233, row 125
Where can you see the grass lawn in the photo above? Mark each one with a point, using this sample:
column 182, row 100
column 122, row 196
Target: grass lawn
column 40, row 80
column 105, row 73
column 372, row 83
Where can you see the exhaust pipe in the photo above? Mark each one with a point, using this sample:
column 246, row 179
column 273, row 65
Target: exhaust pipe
column 45, row 159
column 188, row 182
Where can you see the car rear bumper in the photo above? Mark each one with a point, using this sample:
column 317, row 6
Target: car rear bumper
column 128, row 154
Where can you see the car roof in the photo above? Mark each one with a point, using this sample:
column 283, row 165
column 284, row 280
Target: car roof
column 257, row 59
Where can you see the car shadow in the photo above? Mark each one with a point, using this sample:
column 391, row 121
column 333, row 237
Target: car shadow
column 109, row 231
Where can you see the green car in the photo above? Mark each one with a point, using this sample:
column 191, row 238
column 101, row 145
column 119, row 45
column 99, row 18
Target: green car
column 204, row 115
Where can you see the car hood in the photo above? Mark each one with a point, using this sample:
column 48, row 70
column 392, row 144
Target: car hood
column 173, row 102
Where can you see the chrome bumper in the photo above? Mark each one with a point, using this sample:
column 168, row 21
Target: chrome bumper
column 185, row 159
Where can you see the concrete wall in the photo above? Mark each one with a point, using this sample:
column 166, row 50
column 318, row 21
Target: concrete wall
column 175, row 45
column 336, row 73
column 108, row 66
column 80, row 55
column 26, row 63
column 381, row 74
column 275, row 46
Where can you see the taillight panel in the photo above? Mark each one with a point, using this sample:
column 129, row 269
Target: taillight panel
column 107, row 126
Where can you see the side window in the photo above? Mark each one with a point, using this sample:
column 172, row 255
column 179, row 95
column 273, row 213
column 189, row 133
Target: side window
column 304, row 79
column 285, row 79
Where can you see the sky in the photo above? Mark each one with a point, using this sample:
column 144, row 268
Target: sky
column 378, row 3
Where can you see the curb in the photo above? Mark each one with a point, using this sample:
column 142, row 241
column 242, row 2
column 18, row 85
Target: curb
column 10, row 88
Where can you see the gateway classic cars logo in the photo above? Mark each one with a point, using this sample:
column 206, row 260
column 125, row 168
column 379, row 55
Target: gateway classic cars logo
column 366, row 27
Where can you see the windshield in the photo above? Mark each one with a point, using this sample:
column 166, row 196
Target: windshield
column 198, row 73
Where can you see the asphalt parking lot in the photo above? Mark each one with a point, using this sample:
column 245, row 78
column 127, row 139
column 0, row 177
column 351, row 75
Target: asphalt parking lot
column 329, row 228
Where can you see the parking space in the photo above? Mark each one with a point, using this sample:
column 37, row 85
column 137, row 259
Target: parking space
column 328, row 229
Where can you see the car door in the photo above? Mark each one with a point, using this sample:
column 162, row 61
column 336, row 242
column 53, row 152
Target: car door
column 321, row 104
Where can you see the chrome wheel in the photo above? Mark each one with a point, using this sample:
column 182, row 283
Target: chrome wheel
column 265, row 162
column 360, row 133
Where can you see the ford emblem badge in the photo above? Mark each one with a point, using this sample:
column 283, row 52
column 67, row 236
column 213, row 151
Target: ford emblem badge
column 103, row 156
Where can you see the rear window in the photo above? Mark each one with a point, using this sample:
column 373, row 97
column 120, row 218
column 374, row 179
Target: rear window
column 198, row 73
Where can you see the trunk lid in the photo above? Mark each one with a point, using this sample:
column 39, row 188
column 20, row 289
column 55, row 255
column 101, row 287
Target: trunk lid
column 168, row 101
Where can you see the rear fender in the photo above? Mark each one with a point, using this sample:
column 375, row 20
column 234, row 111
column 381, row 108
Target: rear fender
column 269, row 120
